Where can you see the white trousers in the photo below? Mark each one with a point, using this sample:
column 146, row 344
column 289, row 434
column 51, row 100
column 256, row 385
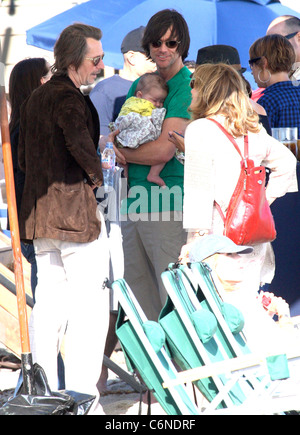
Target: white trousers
column 70, row 299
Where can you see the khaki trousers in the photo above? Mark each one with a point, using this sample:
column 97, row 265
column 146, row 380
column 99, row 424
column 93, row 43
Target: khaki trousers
column 151, row 242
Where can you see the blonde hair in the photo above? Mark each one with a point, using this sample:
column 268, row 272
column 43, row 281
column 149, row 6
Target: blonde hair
column 221, row 90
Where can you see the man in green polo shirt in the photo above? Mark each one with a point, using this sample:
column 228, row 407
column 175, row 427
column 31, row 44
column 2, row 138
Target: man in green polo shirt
column 152, row 225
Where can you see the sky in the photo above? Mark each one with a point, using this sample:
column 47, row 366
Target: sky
column 293, row 4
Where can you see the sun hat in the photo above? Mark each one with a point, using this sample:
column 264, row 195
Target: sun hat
column 206, row 246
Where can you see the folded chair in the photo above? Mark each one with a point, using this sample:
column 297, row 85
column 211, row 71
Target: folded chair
column 242, row 381
column 195, row 338
column 143, row 344
column 199, row 278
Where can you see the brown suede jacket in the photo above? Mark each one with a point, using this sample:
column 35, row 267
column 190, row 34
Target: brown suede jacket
column 59, row 133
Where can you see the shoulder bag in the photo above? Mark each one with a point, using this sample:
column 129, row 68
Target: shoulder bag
column 248, row 220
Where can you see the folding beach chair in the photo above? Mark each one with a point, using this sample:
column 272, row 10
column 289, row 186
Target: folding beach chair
column 195, row 337
column 143, row 342
column 199, row 279
column 253, row 384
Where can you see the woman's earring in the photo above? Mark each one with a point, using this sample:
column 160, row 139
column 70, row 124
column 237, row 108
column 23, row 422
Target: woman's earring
column 264, row 81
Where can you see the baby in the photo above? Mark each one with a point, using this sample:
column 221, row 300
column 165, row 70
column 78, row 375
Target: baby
column 141, row 117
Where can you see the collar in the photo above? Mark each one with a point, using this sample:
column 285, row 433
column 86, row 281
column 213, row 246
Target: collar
column 63, row 79
column 296, row 74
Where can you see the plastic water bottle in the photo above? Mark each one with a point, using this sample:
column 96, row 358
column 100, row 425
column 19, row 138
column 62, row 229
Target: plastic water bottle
column 108, row 167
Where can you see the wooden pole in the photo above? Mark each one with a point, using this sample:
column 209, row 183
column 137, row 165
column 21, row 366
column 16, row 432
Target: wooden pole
column 14, row 225
column 26, row 356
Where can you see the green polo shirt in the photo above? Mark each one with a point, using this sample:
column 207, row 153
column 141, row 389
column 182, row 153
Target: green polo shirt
column 146, row 197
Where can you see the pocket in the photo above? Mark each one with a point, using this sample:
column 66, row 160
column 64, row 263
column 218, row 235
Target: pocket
column 68, row 210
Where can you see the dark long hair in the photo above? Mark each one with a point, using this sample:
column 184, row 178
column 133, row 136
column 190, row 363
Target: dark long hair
column 24, row 79
column 158, row 26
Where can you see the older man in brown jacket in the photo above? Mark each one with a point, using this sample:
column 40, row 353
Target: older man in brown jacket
column 59, row 134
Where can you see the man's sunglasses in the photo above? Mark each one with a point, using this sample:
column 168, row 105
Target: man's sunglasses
column 253, row 61
column 291, row 35
column 96, row 60
column 169, row 44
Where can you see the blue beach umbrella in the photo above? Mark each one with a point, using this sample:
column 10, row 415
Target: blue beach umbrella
column 233, row 22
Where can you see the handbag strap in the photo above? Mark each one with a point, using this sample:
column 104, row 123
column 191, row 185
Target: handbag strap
column 231, row 138
column 246, row 151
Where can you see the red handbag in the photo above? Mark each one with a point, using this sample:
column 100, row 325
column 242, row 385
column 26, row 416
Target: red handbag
column 249, row 220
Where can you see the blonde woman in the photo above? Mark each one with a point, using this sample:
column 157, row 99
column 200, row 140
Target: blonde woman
column 212, row 168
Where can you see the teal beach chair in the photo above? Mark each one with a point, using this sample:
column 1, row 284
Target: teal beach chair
column 143, row 344
column 199, row 278
column 248, row 383
column 195, row 337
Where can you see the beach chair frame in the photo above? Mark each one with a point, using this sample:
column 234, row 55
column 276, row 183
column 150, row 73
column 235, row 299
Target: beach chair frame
column 185, row 300
column 243, row 368
column 175, row 401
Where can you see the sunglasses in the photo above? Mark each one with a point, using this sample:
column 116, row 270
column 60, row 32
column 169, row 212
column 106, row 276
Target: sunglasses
column 192, row 83
column 252, row 61
column 291, row 35
column 169, row 44
column 96, row 60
